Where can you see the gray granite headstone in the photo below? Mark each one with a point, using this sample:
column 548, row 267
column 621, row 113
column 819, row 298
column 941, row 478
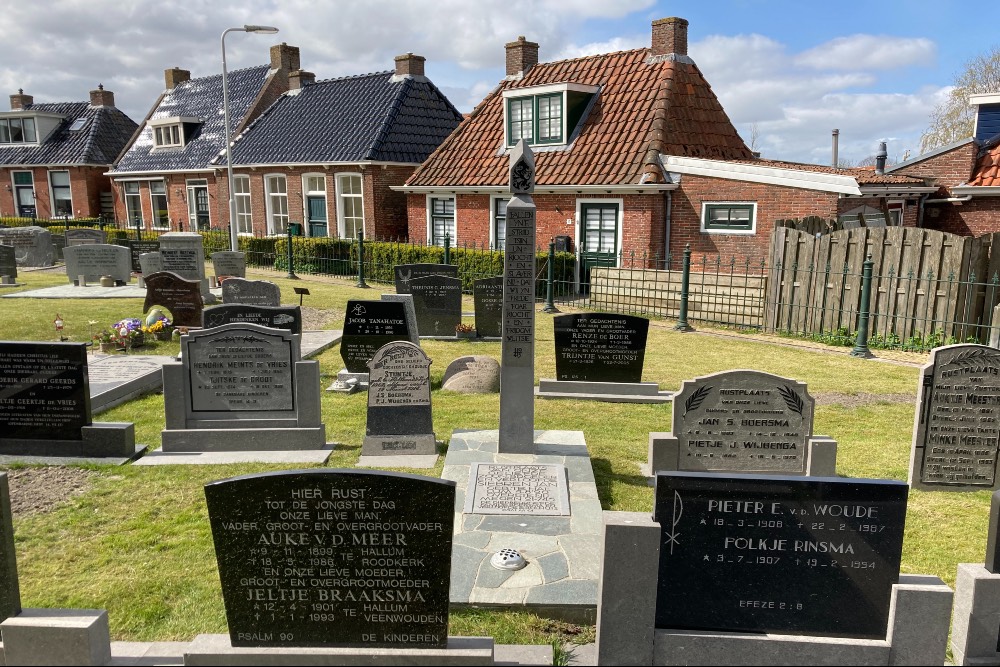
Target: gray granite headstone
column 32, row 245
column 992, row 553
column 741, row 421
column 183, row 298
column 487, row 295
column 957, row 426
column 535, row 489
column 275, row 317
column 405, row 273
column 437, row 301
column 517, row 363
column 472, row 375
column 229, row 263
column 84, row 236
column 8, row 264
column 95, row 260
column 10, row 590
column 254, row 292
column 399, row 402
column 411, row 314
column 150, row 262
column 183, row 253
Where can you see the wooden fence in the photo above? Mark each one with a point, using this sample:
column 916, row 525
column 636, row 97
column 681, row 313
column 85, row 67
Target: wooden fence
column 924, row 281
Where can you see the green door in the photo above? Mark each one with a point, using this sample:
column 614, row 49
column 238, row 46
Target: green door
column 316, row 206
column 598, row 239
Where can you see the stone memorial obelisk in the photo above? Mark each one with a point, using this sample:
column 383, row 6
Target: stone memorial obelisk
column 517, row 360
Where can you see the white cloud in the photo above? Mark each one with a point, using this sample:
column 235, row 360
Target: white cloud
column 878, row 52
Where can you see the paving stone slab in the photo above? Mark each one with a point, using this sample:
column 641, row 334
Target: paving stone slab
column 160, row 458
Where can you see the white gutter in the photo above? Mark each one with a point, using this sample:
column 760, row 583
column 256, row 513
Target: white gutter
column 640, row 189
column 948, row 200
column 976, row 191
column 736, row 171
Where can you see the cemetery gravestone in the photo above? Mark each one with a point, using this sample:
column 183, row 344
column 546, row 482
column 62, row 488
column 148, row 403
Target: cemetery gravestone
column 743, row 421
column 975, row 637
column 8, row 264
column 32, row 245
column 367, row 327
column 600, row 347
column 517, row 362
column 58, row 245
column 150, row 262
column 254, row 292
column 94, row 260
column 84, row 236
column 777, row 554
column 183, row 298
column 241, row 387
column 275, row 317
column 118, row 378
column 45, row 404
column 539, row 489
column 472, row 375
column 229, row 264
column 139, row 248
column 183, row 253
column 437, row 301
column 957, row 422
column 10, row 592
column 405, row 273
column 411, row 314
column 487, row 294
column 399, row 402
column 365, row 562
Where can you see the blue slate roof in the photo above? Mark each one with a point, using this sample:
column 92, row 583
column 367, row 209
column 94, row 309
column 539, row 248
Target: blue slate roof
column 198, row 98
column 104, row 134
column 368, row 117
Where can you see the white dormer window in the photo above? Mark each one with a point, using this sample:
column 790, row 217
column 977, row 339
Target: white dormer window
column 172, row 132
column 545, row 115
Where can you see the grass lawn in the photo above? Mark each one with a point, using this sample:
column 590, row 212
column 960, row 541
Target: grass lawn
column 138, row 543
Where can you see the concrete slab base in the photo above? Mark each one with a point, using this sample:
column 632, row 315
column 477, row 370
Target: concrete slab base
column 218, row 650
column 57, row 637
column 313, row 343
column 117, row 378
column 402, row 461
column 293, row 456
column 563, row 552
column 10, row 459
column 608, row 392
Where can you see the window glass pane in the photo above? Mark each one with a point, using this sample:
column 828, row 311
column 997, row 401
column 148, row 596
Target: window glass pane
column 739, row 215
column 442, row 220
column 29, row 129
column 132, row 187
column 59, row 178
column 4, row 132
column 22, row 178
column 16, row 132
column 158, row 187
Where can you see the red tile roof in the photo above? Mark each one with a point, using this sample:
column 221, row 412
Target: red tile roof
column 645, row 108
column 987, row 171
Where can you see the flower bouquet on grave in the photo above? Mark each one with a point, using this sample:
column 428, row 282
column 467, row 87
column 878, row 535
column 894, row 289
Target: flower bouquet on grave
column 106, row 340
column 158, row 326
column 130, row 334
column 463, row 330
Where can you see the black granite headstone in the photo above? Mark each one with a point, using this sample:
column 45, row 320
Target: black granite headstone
column 600, row 347
column 43, row 390
column 794, row 555
column 992, row 553
column 140, row 247
column 181, row 297
column 8, row 264
column 334, row 558
column 10, row 589
column 275, row 317
column 437, row 301
column 488, row 297
column 404, row 273
column 368, row 326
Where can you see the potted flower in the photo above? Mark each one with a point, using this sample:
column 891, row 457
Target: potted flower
column 130, row 333
column 160, row 328
column 107, row 340
column 463, row 330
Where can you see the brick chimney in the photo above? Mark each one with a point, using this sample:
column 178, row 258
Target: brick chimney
column 20, row 101
column 101, row 97
column 670, row 35
column 175, row 76
column 285, row 57
column 410, row 65
column 300, row 79
column 522, row 55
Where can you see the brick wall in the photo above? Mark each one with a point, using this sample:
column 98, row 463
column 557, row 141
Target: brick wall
column 978, row 216
column 950, row 168
column 86, row 185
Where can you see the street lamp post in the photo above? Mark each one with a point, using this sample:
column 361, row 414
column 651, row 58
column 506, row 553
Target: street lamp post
column 265, row 30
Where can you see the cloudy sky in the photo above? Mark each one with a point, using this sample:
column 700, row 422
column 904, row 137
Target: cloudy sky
column 792, row 71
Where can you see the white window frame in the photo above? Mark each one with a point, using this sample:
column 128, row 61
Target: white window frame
column 737, row 232
column 541, row 91
column 341, row 218
column 246, row 197
column 52, row 193
column 430, row 218
column 168, row 136
column 493, row 220
column 137, row 195
column 307, row 193
column 620, row 223
column 155, row 222
column 272, row 228
column 21, row 120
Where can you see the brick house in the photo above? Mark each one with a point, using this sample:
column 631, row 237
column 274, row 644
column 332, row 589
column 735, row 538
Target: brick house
column 635, row 157
column 53, row 156
column 965, row 173
column 318, row 154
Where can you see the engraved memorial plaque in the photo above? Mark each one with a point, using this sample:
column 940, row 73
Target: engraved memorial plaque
column 792, row 555
column 538, row 489
column 955, row 441
column 404, row 273
column 181, row 297
column 487, row 295
column 32, row 245
column 437, row 301
column 600, row 347
column 230, row 263
column 139, row 248
column 83, row 236
column 95, row 260
column 43, row 390
column 256, row 292
column 328, row 558
column 399, row 402
column 368, row 326
column 274, row 317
